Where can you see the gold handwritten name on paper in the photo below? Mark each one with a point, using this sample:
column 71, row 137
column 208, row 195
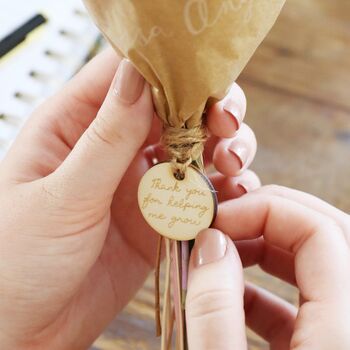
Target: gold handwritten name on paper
column 176, row 209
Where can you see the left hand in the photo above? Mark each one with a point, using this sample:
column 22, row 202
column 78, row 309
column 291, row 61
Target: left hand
column 73, row 245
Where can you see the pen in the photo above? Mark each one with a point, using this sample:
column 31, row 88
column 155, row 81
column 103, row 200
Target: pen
column 13, row 39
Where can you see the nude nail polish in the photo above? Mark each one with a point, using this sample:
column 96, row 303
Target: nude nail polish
column 210, row 246
column 244, row 186
column 232, row 108
column 240, row 150
column 128, row 82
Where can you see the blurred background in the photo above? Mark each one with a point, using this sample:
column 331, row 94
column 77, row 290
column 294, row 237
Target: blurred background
column 298, row 90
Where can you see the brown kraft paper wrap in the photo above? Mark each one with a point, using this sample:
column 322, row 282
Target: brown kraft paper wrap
column 190, row 51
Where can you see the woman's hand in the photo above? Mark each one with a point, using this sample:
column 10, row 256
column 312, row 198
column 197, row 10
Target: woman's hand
column 73, row 245
column 291, row 235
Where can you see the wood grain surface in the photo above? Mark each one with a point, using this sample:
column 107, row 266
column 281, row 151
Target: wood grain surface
column 297, row 86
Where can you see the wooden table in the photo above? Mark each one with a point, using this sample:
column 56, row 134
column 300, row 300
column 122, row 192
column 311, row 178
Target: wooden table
column 298, row 90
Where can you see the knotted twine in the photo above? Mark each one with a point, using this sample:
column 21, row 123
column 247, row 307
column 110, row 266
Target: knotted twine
column 183, row 146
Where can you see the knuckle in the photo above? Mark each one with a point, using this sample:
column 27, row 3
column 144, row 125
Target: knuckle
column 50, row 190
column 272, row 189
column 347, row 220
column 60, row 200
column 57, row 194
column 57, row 190
column 210, row 303
column 328, row 225
column 102, row 131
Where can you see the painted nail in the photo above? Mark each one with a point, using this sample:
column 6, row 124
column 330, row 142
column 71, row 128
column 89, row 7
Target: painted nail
column 240, row 150
column 245, row 186
column 128, row 83
column 231, row 107
column 242, row 190
column 151, row 155
column 242, row 184
column 210, row 246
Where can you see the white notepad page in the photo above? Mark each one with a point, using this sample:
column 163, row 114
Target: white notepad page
column 67, row 53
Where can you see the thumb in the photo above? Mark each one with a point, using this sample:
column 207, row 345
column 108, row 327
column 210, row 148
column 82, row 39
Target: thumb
column 105, row 150
column 214, row 303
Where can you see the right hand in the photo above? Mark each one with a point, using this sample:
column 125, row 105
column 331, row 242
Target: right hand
column 291, row 235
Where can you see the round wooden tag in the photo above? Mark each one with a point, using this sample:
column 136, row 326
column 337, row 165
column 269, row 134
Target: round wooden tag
column 177, row 209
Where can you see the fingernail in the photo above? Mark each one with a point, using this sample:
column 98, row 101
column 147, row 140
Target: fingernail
column 242, row 190
column 151, row 155
column 232, row 108
column 245, row 186
column 128, row 83
column 210, row 246
column 240, row 150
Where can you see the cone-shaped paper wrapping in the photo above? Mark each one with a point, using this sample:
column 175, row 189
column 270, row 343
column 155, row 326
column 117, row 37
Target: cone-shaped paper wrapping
column 190, row 51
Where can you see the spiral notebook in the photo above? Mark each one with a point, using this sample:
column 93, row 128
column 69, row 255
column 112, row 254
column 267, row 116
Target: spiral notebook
column 42, row 44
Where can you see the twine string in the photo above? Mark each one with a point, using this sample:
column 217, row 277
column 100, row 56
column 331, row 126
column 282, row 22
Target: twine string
column 183, row 147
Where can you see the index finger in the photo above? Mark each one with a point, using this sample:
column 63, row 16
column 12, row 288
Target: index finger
column 321, row 252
